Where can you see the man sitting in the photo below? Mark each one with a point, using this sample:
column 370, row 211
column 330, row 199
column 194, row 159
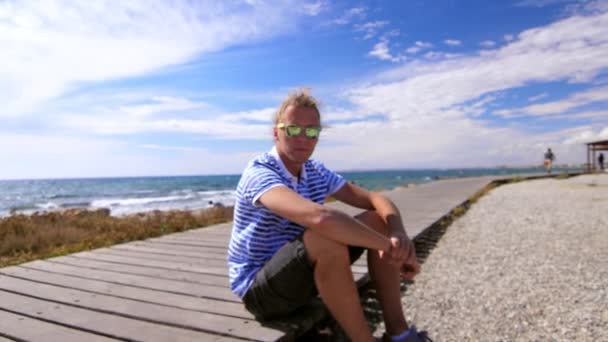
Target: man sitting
column 287, row 247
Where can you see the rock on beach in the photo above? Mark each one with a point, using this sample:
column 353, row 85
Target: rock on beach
column 527, row 262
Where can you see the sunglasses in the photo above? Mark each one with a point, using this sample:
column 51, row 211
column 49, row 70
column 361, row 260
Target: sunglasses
column 295, row 130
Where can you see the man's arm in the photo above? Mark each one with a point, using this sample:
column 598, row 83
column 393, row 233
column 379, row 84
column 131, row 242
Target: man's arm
column 361, row 198
column 402, row 249
column 326, row 221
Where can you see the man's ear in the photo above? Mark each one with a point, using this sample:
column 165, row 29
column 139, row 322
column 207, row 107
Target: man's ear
column 275, row 133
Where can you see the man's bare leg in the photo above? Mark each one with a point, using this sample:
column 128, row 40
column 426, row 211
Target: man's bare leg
column 385, row 279
column 334, row 280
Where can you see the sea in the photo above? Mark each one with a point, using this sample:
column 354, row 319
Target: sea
column 130, row 195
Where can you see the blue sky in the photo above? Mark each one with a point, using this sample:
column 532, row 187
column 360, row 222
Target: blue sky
column 189, row 87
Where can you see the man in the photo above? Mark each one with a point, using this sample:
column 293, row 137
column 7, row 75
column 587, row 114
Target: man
column 286, row 247
column 600, row 160
column 549, row 157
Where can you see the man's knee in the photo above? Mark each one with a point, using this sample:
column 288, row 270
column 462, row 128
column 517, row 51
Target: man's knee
column 373, row 220
column 318, row 246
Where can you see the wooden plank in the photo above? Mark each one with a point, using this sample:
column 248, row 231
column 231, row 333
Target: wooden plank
column 174, row 247
column 160, row 251
column 194, row 241
column 201, row 237
column 204, row 242
column 167, row 285
column 199, row 244
column 219, row 234
column 130, row 292
column 153, row 263
column 102, row 323
column 192, row 246
column 189, row 260
column 357, row 268
column 31, row 329
column 188, row 319
column 84, row 264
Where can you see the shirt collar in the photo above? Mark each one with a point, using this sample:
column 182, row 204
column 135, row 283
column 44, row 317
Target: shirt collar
column 273, row 152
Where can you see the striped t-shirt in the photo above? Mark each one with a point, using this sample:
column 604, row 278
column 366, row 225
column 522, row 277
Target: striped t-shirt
column 258, row 233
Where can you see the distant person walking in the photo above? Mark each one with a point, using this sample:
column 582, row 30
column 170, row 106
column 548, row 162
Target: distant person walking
column 549, row 158
column 600, row 160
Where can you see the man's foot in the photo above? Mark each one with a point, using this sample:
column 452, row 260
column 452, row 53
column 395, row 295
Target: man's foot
column 412, row 335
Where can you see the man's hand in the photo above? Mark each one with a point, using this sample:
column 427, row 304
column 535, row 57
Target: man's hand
column 403, row 254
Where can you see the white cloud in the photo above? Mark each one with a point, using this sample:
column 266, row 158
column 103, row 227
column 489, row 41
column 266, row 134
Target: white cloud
column 264, row 116
column 219, row 129
column 382, row 52
column 78, row 156
column 351, row 14
column 160, row 104
column 596, row 115
column 583, row 135
column 508, row 37
column 573, row 101
column 424, row 45
column 434, row 55
column 487, row 43
column 424, row 100
column 418, row 46
column 50, row 47
column 452, row 42
column 371, row 28
column 341, row 114
column 314, row 8
column 537, row 97
column 242, row 125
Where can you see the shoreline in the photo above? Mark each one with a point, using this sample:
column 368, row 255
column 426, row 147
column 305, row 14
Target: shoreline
column 124, row 196
column 72, row 230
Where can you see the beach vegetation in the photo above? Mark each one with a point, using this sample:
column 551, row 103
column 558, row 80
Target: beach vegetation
column 43, row 235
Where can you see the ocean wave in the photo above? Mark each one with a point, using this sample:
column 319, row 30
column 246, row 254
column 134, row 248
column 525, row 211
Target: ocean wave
column 104, row 203
column 23, row 207
column 61, row 196
column 75, row 205
column 47, row 206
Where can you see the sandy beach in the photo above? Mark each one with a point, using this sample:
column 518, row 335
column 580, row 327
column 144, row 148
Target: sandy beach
column 527, row 262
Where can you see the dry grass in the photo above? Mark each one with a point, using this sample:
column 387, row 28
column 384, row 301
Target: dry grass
column 29, row 237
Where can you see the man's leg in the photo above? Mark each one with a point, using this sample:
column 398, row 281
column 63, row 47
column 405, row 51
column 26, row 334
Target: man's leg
column 334, row 281
column 386, row 279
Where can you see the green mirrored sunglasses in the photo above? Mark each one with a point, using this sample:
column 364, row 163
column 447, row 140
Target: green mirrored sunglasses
column 295, row 130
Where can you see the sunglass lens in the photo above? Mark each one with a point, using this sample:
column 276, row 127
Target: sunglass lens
column 312, row 132
column 293, row 130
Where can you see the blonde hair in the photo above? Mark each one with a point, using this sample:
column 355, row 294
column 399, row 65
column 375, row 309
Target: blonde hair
column 298, row 98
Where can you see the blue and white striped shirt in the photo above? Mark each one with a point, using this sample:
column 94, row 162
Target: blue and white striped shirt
column 258, row 233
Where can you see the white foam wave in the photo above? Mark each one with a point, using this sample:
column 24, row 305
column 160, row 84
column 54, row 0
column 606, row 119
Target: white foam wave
column 47, row 206
column 136, row 201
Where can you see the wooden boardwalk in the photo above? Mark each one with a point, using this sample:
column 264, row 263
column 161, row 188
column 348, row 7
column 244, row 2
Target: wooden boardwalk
column 172, row 288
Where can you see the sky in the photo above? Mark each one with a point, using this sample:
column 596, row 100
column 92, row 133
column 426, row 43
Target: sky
column 159, row 87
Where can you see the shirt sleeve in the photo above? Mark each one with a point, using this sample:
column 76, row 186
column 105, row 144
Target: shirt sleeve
column 334, row 181
column 258, row 180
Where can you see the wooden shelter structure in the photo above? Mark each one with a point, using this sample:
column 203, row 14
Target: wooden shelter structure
column 592, row 148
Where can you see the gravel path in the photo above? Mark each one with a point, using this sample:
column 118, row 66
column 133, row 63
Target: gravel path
column 527, row 262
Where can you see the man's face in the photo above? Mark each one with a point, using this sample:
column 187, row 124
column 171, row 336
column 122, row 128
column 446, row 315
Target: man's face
column 297, row 149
